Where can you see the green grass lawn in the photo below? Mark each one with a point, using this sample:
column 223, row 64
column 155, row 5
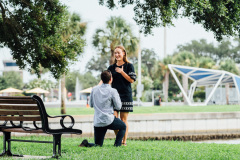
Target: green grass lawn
column 140, row 150
column 154, row 109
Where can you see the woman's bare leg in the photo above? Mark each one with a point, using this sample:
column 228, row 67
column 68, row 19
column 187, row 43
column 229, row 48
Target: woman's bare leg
column 124, row 116
column 116, row 115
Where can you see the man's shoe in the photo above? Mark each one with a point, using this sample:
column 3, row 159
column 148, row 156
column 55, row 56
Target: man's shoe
column 84, row 143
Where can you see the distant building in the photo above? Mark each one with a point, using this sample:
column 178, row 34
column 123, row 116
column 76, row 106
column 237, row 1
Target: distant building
column 10, row 65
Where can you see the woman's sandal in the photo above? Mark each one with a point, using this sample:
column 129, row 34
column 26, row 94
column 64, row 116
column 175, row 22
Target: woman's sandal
column 124, row 144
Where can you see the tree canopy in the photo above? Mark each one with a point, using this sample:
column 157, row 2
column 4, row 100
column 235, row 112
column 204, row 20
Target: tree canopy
column 33, row 32
column 41, row 83
column 149, row 59
column 221, row 17
column 11, row 79
column 86, row 80
column 229, row 65
column 226, row 49
column 216, row 52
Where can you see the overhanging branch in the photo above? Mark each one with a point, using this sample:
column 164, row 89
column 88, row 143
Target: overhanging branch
column 3, row 10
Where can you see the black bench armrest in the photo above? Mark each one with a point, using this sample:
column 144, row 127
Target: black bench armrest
column 62, row 119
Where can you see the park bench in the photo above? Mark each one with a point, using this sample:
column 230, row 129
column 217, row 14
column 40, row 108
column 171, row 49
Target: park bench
column 14, row 111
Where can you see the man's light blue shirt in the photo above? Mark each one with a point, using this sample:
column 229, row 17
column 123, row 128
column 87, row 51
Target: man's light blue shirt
column 104, row 99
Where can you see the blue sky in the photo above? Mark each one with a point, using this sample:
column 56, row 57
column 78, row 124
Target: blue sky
column 96, row 16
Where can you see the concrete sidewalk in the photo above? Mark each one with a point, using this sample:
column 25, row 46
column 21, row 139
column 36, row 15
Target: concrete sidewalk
column 159, row 125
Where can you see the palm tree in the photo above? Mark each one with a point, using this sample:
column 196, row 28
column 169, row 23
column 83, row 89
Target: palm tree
column 230, row 66
column 116, row 32
column 187, row 59
column 162, row 68
column 73, row 27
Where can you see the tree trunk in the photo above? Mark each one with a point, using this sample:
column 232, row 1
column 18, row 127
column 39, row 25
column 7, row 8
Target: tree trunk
column 227, row 93
column 185, row 86
column 112, row 59
column 166, row 86
column 63, row 95
column 163, row 86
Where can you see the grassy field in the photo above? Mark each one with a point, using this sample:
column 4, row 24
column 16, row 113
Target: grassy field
column 154, row 109
column 140, row 150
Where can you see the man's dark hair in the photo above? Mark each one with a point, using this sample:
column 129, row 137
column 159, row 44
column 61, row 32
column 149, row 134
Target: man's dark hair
column 106, row 76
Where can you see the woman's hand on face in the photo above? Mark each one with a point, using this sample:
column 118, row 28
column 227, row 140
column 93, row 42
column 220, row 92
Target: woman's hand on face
column 119, row 70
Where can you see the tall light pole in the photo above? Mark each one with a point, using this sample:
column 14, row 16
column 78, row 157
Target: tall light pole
column 139, row 85
column 164, row 55
column 77, row 89
column 165, row 43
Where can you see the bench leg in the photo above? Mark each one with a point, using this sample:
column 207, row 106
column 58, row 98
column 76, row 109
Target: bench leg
column 56, row 142
column 7, row 150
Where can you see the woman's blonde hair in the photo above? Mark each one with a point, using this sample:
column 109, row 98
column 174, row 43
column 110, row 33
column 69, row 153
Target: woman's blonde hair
column 125, row 56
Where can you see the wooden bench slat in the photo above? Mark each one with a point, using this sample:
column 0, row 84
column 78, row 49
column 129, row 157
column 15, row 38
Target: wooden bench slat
column 8, row 118
column 19, row 112
column 18, row 107
column 20, row 130
column 17, row 101
column 15, row 97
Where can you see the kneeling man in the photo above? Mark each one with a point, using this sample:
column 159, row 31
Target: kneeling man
column 104, row 99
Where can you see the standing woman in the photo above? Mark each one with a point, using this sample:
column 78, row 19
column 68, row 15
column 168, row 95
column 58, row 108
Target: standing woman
column 123, row 75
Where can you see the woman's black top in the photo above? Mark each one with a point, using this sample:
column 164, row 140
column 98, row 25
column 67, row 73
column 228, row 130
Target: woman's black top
column 123, row 86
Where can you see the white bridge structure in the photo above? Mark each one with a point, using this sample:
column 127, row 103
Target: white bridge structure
column 207, row 78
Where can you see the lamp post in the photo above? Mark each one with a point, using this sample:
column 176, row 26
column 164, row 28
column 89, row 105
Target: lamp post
column 77, row 89
column 139, row 85
column 165, row 43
